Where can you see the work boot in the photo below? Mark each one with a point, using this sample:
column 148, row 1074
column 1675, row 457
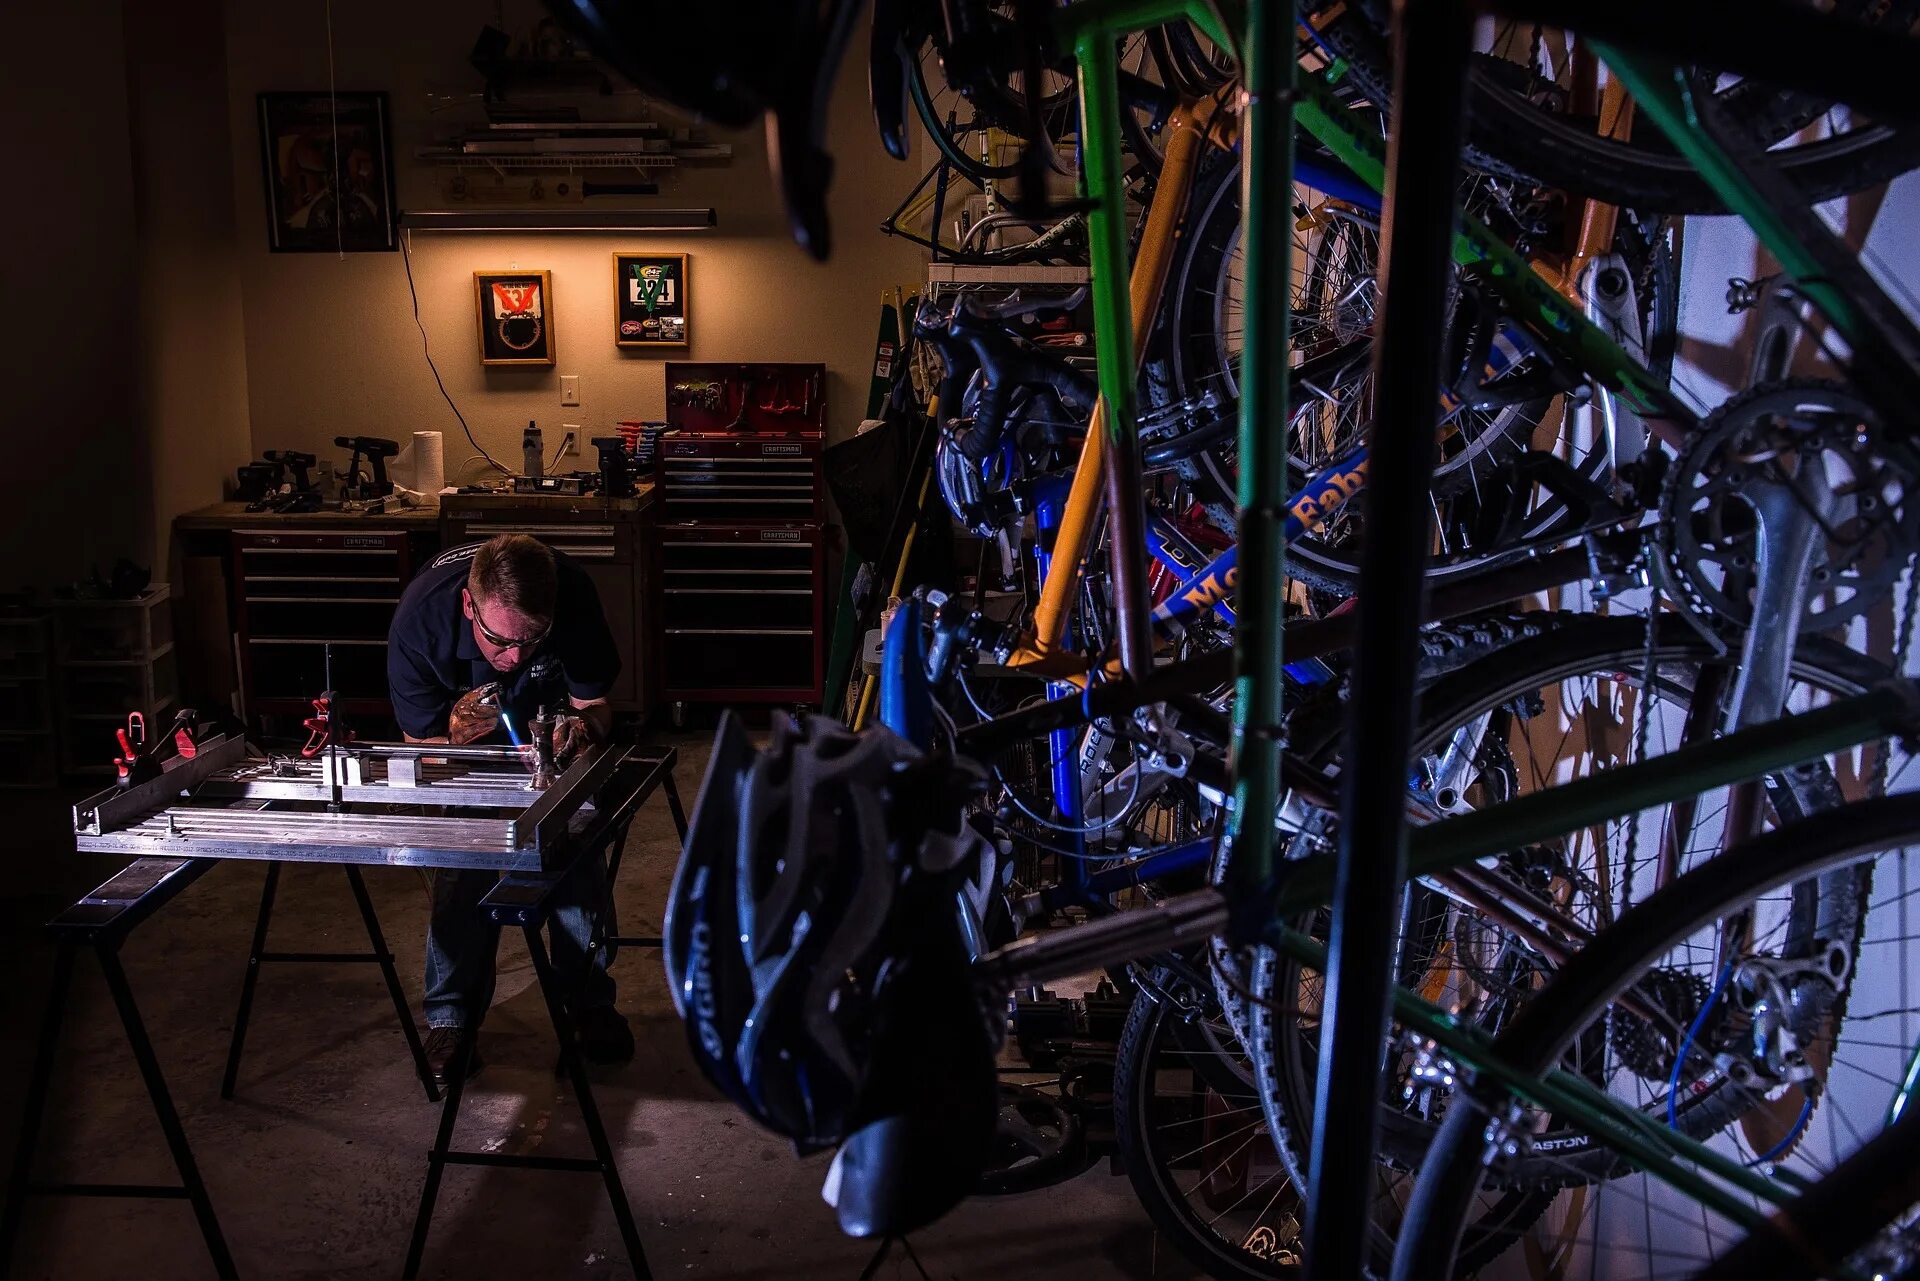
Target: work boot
column 442, row 1044
column 604, row 1036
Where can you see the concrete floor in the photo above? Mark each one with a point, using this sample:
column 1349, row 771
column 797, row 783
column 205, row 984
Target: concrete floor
column 315, row 1169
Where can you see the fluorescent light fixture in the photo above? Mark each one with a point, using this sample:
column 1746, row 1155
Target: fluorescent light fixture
column 617, row 220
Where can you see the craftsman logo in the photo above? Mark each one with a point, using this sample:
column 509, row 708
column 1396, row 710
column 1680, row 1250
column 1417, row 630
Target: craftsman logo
column 779, row 535
column 352, row 540
column 779, row 449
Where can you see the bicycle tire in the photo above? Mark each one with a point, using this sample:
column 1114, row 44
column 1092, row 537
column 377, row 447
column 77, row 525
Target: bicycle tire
column 1598, row 974
column 1191, row 357
column 1136, row 1077
column 1508, row 137
column 922, row 98
column 1559, row 649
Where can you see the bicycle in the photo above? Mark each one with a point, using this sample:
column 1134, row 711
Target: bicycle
column 1377, row 769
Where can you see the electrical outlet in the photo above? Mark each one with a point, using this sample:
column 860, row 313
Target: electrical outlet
column 570, row 443
column 570, row 389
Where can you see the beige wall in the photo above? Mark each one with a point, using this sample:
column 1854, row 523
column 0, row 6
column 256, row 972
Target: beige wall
column 74, row 462
column 192, row 371
column 331, row 343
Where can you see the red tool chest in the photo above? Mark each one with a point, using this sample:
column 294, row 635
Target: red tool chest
column 740, row 555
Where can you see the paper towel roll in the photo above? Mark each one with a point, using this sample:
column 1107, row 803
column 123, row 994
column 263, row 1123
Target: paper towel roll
column 429, row 464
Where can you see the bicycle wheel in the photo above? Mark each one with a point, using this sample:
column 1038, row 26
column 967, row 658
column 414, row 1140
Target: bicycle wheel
column 1481, row 505
column 981, row 130
column 1569, row 700
column 1193, row 1139
column 1525, row 119
column 1759, row 926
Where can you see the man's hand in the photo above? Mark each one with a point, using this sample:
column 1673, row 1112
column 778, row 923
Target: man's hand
column 475, row 714
column 572, row 733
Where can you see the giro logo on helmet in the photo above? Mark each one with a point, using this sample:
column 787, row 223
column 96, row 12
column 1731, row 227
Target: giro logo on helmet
column 700, row 977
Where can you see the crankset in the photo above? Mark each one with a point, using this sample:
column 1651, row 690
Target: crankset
column 1804, row 443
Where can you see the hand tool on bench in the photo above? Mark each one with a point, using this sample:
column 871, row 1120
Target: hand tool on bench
column 376, row 450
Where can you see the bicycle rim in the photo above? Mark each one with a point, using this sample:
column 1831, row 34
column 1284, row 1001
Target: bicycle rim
column 1584, row 681
column 1858, row 1040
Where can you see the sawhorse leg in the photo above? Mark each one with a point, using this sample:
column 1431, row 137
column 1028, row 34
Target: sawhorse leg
column 100, row 923
column 524, row 901
column 662, row 777
column 380, row 955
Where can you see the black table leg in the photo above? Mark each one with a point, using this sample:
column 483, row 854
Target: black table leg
column 673, row 804
column 196, row 1189
column 392, row 976
column 583, row 1092
column 36, row 1108
column 442, row 1141
column 379, row 955
column 247, row 985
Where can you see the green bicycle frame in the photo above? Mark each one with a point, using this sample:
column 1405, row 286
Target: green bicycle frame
column 1267, row 176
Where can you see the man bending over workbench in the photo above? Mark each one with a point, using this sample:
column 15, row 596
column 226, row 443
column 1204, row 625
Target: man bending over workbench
column 483, row 640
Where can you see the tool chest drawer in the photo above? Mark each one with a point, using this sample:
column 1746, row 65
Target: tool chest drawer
column 731, row 489
column 608, row 541
column 297, row 592
column 740, row 612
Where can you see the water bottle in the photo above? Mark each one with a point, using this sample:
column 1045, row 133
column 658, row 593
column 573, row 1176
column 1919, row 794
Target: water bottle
column 530, row 451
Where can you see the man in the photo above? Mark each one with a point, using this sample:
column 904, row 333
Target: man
column 522, row 625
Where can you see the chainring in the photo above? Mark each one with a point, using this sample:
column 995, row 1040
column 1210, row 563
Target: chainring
column 1708, row 535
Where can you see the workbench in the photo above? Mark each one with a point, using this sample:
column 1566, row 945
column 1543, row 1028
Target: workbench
column 502, row 809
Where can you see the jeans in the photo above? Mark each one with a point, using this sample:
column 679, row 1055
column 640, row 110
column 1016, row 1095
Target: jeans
column 461, row 943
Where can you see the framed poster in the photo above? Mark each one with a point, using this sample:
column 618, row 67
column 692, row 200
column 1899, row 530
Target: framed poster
column 327, row 160
column 516, row 309
column 650, row 300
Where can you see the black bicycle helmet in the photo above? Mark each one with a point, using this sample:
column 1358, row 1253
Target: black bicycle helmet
column 814, row 950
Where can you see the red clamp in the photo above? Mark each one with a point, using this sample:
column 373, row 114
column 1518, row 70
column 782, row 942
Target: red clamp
column 320, row 728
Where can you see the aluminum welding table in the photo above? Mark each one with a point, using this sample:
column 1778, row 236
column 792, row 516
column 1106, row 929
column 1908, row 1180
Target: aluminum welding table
column 396, row 805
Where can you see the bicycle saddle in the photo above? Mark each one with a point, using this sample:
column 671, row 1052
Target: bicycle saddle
column 733, row 62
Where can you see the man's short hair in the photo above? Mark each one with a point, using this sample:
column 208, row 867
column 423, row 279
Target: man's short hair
column 517, row 571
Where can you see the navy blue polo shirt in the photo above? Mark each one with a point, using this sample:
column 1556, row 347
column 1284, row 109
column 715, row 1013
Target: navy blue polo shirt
column 433, row 658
